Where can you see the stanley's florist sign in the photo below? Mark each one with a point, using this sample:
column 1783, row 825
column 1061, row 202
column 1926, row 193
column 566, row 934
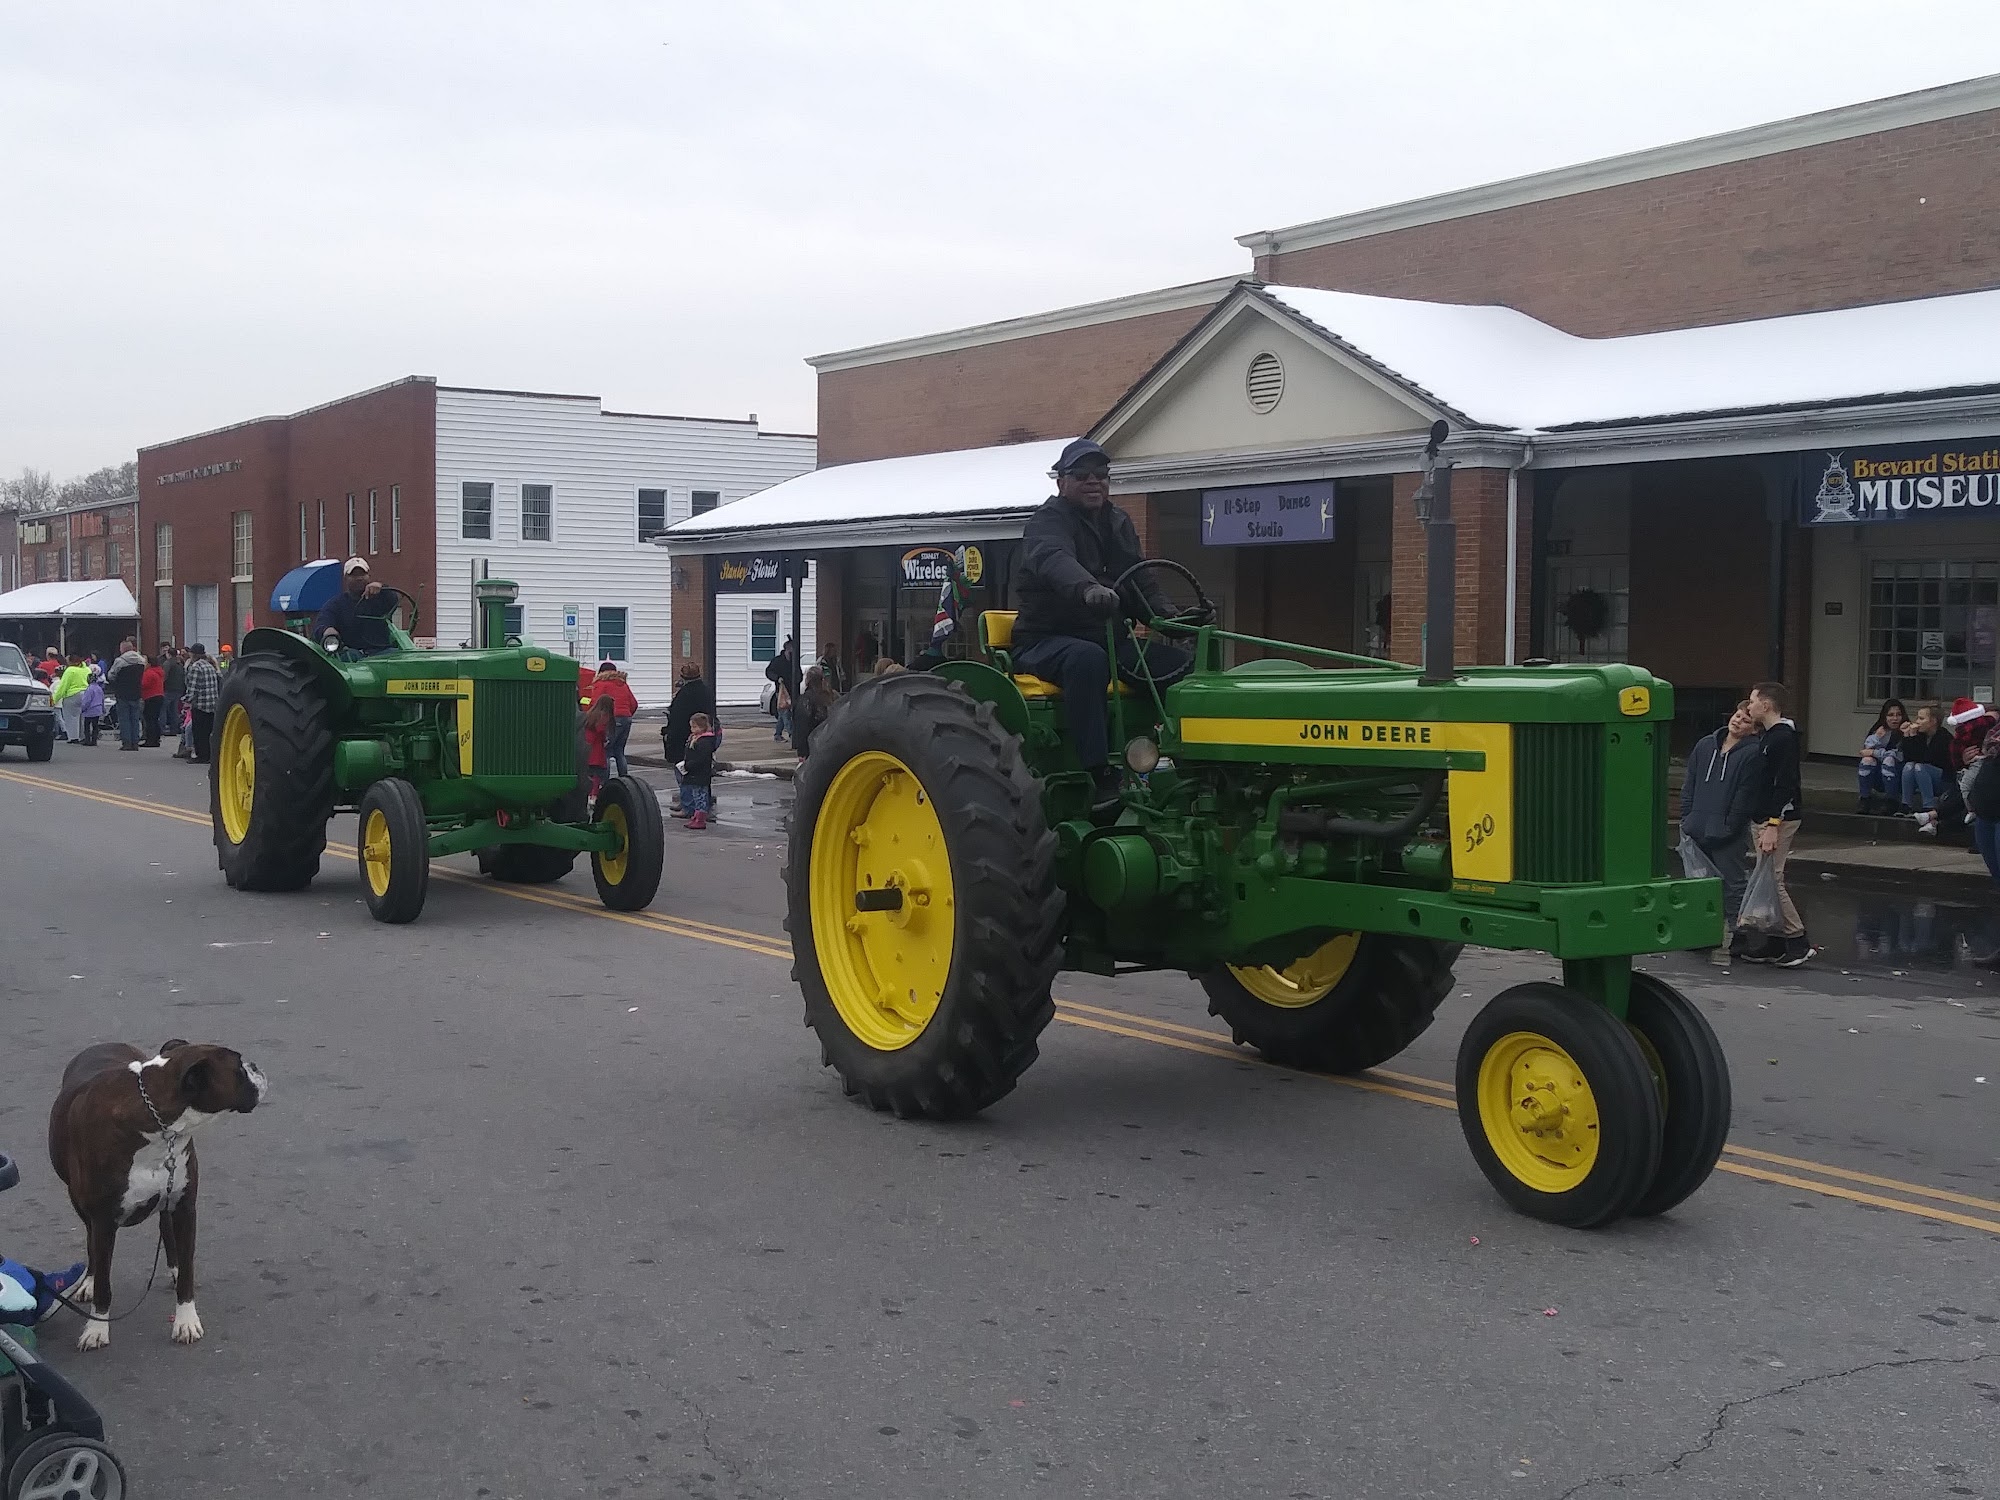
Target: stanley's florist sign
column 1906, row 482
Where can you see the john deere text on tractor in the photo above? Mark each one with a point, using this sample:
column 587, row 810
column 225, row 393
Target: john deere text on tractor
column 1314, row 844
column 440, row 752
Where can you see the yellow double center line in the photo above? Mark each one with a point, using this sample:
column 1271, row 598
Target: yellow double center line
column 1740, row 1161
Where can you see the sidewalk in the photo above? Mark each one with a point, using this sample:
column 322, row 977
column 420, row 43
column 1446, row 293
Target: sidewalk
column 751, row 748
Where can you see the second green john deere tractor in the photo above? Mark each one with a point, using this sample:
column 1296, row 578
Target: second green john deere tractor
column 438, row 752
column 1313, row 844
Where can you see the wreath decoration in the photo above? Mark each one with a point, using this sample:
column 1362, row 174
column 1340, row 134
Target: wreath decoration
column 1586, row 612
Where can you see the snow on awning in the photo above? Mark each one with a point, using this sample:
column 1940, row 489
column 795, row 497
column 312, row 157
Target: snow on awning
column 968, row 494
column 79, row 599
column 1504, row 369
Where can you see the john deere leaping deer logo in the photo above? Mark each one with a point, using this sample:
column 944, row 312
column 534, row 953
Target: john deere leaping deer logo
column 1835, row 500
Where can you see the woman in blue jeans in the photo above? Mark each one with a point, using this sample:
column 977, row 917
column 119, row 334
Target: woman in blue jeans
column 1926, row 759
column 1982, row 801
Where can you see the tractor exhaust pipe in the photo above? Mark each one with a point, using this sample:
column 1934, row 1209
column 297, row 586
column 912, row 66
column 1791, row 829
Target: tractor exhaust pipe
column 1433, row 500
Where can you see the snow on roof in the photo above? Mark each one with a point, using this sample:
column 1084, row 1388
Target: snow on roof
column 1502, row 368
column 989, row 482
column 93, row 599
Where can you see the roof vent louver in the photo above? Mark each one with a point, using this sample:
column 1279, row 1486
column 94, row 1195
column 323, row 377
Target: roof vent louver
column 1265, row 382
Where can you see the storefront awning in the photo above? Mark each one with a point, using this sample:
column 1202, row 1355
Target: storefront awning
column 79, row 599
column 966, row 495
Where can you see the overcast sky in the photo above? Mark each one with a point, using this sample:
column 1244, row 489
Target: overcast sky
column 215, row 211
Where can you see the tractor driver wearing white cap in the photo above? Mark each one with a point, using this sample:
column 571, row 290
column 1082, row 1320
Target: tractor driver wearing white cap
column 356, row 613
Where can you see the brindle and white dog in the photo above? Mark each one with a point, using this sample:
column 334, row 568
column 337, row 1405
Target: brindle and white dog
column 120, row 1131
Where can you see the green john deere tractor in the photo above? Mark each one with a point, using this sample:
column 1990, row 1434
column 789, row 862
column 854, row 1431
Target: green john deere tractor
column 1314, row 844
column 439, row 752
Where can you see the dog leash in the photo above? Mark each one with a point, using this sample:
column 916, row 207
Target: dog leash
column 175, row 1149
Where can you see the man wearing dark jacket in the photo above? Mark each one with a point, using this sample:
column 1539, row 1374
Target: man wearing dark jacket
column 1776, row 813
column 357, row 612
column 127, row 681
column 1717, row 796
column 1073, row 549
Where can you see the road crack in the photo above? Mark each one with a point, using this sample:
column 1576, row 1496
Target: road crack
column 1729, row 1409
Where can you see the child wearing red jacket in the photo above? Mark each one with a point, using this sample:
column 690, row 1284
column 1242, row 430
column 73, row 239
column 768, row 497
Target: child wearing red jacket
column 609, row 682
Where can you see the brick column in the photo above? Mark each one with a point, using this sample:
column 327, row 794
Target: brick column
column 1479, row 505
column 690, row 610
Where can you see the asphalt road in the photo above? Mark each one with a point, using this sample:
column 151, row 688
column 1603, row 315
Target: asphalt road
column 549, row 1203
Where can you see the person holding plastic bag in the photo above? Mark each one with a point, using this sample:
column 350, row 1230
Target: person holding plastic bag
column 1717, row 796
column 1775, row 814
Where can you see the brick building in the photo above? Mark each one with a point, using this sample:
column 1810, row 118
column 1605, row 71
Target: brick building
column 76, row 542
column 1679, row 536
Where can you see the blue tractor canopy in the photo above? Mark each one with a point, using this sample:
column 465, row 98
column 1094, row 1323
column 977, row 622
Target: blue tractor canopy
column 307, row 588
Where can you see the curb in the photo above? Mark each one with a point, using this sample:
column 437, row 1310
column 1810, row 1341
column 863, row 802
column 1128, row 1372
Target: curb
column 1946, row 884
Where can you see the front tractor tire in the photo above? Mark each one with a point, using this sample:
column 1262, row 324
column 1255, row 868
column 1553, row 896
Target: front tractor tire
column 394, row 847
column 1353, row 1004
column 629, row 879
column 270, row 775
column 922, row 902
column 1559, row 1106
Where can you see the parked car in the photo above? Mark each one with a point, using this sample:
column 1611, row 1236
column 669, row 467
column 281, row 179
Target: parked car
column 25, row 716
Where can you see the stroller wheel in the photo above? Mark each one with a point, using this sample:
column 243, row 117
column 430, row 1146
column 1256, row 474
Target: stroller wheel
column 65, row 1466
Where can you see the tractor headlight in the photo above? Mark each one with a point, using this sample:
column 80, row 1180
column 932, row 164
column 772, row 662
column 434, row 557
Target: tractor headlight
column 1142, row 755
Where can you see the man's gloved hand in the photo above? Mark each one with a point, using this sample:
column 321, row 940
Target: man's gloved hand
column 1100, row 600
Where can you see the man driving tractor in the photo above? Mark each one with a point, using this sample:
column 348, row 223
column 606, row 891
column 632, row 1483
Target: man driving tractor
column 1073, row 551
column 357, row 612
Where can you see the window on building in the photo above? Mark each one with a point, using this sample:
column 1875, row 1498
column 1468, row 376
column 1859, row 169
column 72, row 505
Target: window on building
column 90, row 562
column 652, row 514
column 45, row 567
column 538, row 513
column 304, row 535
column 163, row 553
column 395, row 518
column 704, row 501
column 240, row 555
column 475, row 511
column 1931, row 628
column 513, row 623
column 611, row 634
column 353, row 536
column 1595, row 595
column 763, row 635
column 322, row 528
column 113, row 563
column 374, row 526
column 163, row 613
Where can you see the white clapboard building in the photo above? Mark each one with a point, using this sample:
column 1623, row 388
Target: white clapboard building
column 567, row 498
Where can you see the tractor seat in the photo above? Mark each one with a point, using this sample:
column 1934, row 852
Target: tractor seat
column 996, row 636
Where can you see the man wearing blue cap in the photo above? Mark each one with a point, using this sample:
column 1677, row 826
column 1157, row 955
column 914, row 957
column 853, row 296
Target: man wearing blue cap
column 1073, row 550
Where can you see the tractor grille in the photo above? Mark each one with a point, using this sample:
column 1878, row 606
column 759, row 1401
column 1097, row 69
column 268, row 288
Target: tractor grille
column 1662, row 750
column 1559, row 803
column 524, row 729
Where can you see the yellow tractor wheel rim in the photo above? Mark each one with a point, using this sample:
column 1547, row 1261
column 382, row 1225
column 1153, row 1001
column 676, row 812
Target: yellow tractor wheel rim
column 236, row 772
column 1305, row 980
column 877, row 837
column 375, row 851
column 1538, row 1112
column 612, row 866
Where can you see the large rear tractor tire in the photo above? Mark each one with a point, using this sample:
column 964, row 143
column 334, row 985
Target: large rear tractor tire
column 394, row 847
column 925, row 918
column 1559, row 1106
column 1688, row 1064
column 270, row 777
column 1354, row 1004
column 628, row 880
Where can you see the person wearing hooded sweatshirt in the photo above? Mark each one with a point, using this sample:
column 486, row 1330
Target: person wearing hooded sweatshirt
column 128, row 677
column 64, row 695
column 1717, row 796
column 90, row 703
column 611, row 683
column 1776, row 812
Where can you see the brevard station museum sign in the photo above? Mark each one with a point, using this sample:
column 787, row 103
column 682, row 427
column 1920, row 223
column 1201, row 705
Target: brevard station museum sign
column 1260, row 514
column 1909, row 481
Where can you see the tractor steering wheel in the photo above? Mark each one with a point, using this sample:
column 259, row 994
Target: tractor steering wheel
column 411, row 628
column 1201, row 613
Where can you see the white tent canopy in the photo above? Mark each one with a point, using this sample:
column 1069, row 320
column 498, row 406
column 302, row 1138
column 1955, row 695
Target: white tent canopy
column 79, row 599
column 969, row 495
